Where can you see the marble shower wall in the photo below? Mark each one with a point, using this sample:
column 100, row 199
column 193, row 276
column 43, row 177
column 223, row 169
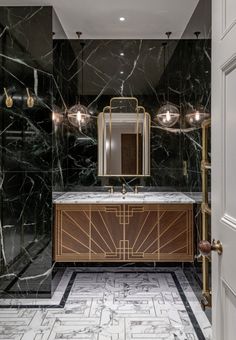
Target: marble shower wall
column 26, row 150
column 188, row 68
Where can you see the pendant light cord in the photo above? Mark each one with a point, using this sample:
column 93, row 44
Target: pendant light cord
column 167, row 75
column 167, row 72
column 197, row 93
column 165, row 66
column 82, row 68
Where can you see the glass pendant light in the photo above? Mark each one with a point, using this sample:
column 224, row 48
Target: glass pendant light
column 196, row 115
column 168, row 114
column 78, row 115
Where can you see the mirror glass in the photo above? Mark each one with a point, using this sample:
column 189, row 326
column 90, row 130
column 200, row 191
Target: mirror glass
column 124, row 139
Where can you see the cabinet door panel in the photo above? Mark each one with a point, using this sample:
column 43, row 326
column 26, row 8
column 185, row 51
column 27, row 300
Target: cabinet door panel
column 175, row 233
column 107, row 233
column 141, row 232
column 72, row 232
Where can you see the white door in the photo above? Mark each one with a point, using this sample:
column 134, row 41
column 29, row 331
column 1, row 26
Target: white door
column 224, row 167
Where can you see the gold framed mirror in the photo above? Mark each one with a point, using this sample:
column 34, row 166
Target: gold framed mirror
column 124, row 139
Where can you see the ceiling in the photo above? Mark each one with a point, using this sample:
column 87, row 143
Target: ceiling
column 99, row 19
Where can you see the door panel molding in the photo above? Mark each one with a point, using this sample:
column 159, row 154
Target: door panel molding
column 227, row 68
column 223, row 167
column 228, row 296
column 226, row 27
column 229, row 64
column 229, row 221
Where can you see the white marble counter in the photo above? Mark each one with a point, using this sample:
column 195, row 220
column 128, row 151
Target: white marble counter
column 118, row 198
column 197, row 196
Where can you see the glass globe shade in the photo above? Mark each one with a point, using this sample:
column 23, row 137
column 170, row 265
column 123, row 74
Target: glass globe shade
column 78, row 115
column 167, row 115
column 195, row 117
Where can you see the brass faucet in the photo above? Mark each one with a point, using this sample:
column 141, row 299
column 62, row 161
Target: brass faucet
column 110, row 188
column 123, row 190
column 136, row 188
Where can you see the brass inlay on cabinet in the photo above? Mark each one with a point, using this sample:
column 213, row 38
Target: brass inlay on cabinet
column 123, row 233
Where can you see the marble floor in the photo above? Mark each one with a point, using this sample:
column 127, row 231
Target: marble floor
column 109, row 304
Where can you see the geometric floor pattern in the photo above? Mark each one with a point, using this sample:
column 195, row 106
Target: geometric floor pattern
column 111, row 305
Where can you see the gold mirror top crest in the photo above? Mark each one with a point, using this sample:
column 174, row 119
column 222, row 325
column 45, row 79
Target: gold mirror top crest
column 124, row 105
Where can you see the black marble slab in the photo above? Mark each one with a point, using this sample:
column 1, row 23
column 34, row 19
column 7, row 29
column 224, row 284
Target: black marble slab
column 37, row 156
column 189, row 72
column 26, row 151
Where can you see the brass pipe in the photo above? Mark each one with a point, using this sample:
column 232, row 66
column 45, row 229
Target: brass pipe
column 206, row 211
column 104, row 153
column 110, row 140
column 205, row 165
column 143, row 170
column 137, row 144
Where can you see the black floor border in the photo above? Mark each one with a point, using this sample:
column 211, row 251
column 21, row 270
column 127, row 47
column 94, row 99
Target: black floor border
column 188, row 308
column 60, row 305
column 64, row 298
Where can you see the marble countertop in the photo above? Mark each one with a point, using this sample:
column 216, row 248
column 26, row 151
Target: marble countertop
column 118, row 198
column 197, row 196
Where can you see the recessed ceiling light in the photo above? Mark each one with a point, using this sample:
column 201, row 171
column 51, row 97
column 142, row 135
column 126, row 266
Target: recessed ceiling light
column 122, row 54
column 121, row 72
column 122, row 19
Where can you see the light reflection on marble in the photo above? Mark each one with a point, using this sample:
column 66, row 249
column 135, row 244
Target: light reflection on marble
column 129, row 197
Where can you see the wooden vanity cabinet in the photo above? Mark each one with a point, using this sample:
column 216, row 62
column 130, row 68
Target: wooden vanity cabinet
column 123, row 233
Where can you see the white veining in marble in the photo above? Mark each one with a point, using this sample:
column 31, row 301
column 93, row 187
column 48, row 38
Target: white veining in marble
column 111, row 305
column 130, row 197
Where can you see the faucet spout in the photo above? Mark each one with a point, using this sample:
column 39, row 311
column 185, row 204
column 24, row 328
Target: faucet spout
column 123, row 190
column 110, row 188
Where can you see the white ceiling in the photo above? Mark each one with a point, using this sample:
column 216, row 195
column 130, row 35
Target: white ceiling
column 99, row 19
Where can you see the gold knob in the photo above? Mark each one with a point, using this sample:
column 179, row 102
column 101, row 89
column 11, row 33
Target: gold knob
column 205, row 247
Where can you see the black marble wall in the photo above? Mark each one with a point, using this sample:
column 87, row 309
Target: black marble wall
column 26, row 151
column 37, row 157
column 188, row 66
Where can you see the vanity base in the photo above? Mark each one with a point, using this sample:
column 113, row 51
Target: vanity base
column 123, row 233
